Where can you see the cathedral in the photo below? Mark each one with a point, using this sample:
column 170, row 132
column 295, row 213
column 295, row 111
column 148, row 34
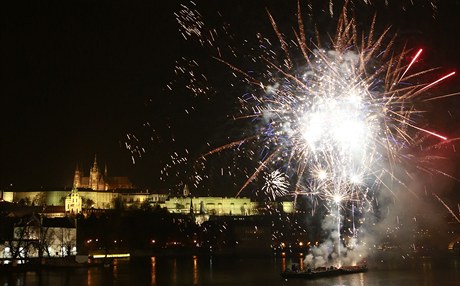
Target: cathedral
column 98, row 180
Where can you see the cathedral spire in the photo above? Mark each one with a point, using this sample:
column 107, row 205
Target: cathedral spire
column 77, row 177
column 94, row 176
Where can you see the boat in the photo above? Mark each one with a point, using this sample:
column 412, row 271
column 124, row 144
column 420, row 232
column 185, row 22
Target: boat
column 322, row 272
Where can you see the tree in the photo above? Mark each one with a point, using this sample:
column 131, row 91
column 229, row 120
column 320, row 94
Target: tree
column 118, row 203
column 87, row 202
column 39, row 199
column 145, row 205
column 24, row 201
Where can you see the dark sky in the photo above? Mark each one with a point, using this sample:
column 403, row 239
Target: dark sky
column 75, row 79
column 77, row 76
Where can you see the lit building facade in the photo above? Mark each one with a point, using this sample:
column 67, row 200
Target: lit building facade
column 73, row 203
column 211, row 205
column 41, row 237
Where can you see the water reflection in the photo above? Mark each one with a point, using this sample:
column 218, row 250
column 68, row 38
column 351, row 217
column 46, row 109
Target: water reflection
column 210, row 267
column 204, row 270
column 195, row 270
column 427, row 269
column 174, row 272
column 361, row 279
column 153, row 271
column 90, row 280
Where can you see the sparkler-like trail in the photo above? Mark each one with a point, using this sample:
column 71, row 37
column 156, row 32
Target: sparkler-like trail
column 447, row 207
column 411, row 63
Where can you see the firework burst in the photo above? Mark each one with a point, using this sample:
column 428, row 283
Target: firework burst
column 276, row 184
column 338, row 118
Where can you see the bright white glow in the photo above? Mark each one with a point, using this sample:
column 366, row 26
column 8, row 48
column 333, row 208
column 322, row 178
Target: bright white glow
column 350, row 133
column 339, row 124
column 354, row 98
column 337, row 198
column 313, row 128
column 322, row 174
column 356, row 179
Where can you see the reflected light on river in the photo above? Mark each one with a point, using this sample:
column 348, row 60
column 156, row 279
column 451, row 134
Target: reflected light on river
column 89, row 277
column 115, row 268
column 153, row 270
column 229, row 271
column 195, row 270
column 174, row 272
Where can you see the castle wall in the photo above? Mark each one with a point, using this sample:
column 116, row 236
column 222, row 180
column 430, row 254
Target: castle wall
column 100, row 199
column 212, row 205
column 50, row 198
column 8, row 196
column 288, row 207
column 106, row 200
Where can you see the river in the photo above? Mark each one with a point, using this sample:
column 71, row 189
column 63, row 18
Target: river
column 204, row 270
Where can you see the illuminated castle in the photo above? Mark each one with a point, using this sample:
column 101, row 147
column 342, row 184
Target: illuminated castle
column 99, row 191
column 99, row 181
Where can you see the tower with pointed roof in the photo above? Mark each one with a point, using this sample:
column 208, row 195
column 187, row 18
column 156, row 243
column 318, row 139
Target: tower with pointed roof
column 94, row 176
column 77, row 178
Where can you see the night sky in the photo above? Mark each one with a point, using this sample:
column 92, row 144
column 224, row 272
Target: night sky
column 77, row 77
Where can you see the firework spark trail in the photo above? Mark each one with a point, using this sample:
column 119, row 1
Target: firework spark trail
column 432, row 84
column 429, row 132
column 190, row 21
column 226, row 146
column 442, row 96
column 447, row 207
column 411, row 63
column 258, row 170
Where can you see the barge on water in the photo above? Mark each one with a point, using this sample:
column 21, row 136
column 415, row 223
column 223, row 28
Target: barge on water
column 322, row 272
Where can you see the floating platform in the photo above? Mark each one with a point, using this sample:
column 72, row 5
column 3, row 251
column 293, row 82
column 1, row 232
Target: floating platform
column 323, row 272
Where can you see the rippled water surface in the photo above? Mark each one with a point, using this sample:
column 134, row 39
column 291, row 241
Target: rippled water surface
column 196, row 270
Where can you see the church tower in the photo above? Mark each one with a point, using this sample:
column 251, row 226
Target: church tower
column 94, row 175
column 77, row 178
